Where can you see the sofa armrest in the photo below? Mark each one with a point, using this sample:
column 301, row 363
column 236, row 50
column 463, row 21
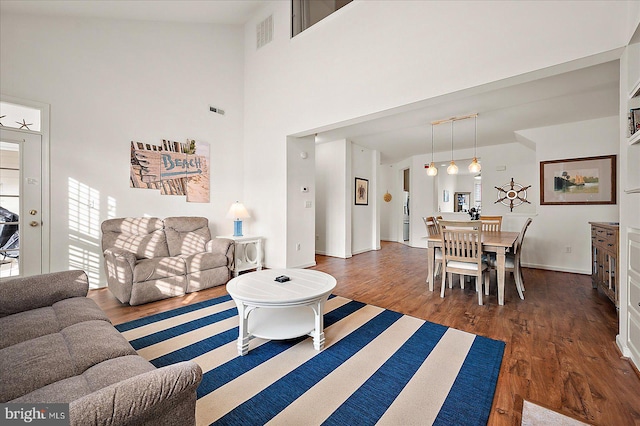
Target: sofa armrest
column 224, row 246
column 26, row 293
column 159, row 397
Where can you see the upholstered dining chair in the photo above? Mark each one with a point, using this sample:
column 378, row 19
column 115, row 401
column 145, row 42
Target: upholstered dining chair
column 432, row 230
column 512, row 261
column 462, row 253
column 491, row 223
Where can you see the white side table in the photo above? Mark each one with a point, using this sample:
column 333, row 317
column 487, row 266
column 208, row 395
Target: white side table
column 248, row 253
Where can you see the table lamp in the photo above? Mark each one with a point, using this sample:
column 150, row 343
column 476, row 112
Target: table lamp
column 237, row 211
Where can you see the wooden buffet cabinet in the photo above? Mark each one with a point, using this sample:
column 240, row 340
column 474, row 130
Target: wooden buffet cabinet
column 604, row 258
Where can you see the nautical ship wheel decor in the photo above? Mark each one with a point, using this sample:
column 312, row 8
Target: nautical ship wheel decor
column 512, row 194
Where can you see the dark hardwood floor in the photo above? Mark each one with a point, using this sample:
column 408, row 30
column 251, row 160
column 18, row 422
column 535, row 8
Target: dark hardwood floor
column 560, row 341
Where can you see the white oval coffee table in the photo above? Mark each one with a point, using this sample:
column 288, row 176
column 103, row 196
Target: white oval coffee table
column 272, row 310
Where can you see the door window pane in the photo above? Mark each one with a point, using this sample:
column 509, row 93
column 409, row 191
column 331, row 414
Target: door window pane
column 19, row 117
column 9, row 208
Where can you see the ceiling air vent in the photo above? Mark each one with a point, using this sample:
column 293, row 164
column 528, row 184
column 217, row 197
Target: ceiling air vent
column 264, row 32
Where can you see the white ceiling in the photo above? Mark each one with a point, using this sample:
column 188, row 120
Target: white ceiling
column 503, row 108
column 582, row 94
column 196, row 11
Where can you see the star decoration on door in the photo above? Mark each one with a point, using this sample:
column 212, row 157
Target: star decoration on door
column 512, row 194
column 24, row 124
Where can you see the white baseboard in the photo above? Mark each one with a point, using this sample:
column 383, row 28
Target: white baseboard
column 557, row 268
column 306, row 265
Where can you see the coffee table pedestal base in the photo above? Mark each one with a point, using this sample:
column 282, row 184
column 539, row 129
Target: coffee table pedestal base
column 281, row 322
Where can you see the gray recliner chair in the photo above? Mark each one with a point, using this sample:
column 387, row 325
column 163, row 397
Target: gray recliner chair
column 148, row 259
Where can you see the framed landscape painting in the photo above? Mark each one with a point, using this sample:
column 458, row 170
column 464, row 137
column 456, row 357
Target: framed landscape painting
column 588, row 180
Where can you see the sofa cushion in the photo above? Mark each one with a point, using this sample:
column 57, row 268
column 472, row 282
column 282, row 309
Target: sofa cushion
column 186, row 235
column 58, row 356
column 97, row 377
column 92, row 342
column 27, row 325
column 30, row 365
column 203, row 261
column 143, row 236
column 158, row 268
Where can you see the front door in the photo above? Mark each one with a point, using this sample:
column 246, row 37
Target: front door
column 20, row 203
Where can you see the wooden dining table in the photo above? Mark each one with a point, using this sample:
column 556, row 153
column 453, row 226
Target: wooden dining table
column 498, row 242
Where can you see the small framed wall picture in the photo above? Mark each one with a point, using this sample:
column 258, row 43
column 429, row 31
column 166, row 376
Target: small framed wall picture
column 362, row 192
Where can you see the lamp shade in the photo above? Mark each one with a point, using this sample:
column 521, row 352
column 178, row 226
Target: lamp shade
column 475, row 167
column 452, row 169
column 237, row 211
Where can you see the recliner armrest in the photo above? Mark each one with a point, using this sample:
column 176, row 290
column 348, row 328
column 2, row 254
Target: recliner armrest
column 26, row 293
column 224, row 246
column 117, row 255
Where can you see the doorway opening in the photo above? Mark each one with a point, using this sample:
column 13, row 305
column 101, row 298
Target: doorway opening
column 406, row 222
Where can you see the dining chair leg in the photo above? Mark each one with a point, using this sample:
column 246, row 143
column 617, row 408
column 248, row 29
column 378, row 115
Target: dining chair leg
column 519, row 272
column 479, row 284
column 450, row 280
column 518, row 281
column 487, row 282
column 443, row 283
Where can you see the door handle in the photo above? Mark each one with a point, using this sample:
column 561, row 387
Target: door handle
column 33, row 212
column 34, row 223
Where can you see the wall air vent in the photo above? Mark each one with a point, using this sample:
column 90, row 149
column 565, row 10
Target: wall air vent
column 264, row 32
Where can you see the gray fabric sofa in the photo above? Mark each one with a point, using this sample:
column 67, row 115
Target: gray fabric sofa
column 57, row 346
column 148, row 259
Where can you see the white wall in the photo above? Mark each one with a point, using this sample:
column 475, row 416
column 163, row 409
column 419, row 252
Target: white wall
column 364, row 228
column 387, row 183
column 557, row 227
column 333, row 208
column 343, row 228
column 111, row 82
column 372, row 56
column 300, row 211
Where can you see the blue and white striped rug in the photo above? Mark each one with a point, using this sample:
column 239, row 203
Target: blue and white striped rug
column 377, row 367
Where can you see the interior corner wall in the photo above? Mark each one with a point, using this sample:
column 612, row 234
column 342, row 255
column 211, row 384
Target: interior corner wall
column 301, row 195
column 363, row 217
column 388, row 210
column 333, row 195
column 110, row 82
column 556, row 227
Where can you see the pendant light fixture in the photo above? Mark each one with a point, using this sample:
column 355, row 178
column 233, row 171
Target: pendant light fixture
column 475, row 167
column 452, row 169
column 432, row 170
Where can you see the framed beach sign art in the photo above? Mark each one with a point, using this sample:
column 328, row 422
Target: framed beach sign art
column 588, row 180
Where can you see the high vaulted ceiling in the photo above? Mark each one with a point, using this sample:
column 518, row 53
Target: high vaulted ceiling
column 196, row 11
column 581, row 93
